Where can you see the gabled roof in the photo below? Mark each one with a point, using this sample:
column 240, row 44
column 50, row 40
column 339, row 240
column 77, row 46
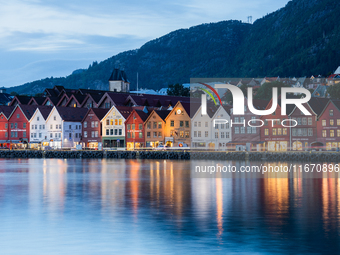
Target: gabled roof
column 100, row 113
column 163, row 113
column 143, row 115
column 90, row 91
column 318, row 104
column 51, row 92
column 6, row 110
column 94, row 97
column 66, row 95
column 23, row 100
column 124, row 110
column 37, row 100
column 27, row 110
column 71, row 113
column 78, row 98
column 45, row 110
column 53, row 100
column 116, row 98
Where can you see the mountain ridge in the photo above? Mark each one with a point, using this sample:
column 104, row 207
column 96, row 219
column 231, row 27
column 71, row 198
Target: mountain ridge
column 299, row 39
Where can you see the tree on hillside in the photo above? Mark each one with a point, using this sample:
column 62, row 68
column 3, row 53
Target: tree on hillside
column 266, row 90
column 178, row 90
column 334, row 91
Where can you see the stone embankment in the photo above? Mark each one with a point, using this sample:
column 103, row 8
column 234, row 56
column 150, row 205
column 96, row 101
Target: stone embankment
column 178, row 155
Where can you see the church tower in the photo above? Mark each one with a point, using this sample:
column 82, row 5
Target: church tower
column 118, row 81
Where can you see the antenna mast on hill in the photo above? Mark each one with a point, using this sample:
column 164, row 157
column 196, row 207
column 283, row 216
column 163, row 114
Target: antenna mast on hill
column 250, row 19
column 137, row 83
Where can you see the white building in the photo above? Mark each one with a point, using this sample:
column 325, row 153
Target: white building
column 38, row 129
column 207, row 136
column 113, row 126
column 64, row 127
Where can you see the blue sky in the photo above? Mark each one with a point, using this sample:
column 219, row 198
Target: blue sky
column 44, row 38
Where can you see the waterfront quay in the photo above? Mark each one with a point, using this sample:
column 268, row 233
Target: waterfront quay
column 176, row 155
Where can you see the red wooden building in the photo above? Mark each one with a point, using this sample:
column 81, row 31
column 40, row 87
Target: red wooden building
column 5, row 112
column 92, row 128
column 18, row 125
column 328, row 126
column 134, row 126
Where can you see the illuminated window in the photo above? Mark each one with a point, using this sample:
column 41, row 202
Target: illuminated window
column 331, row 122
column 331, row 133
column 284, row 131
column 159, row 134
column 279, row 131
column 324, row 133
column 120, row 121
column 187, row 135
column 338, row 122
column 323, row 123
column 116, row 122
column 338, row 132
column 274, row 131
column 85, row 133
column 159, row 124
column 181, row 134
column 140, row 135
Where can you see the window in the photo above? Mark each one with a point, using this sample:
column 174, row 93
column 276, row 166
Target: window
column 266, row 131
column 96, row 124
column 154, row 134
column 195, row 133
column 331, row 133
column 120, row 122
column 56, row 126
column 323, row 123
column 227, row 125
column 69, row 135
column 6, row 134
column 69, row 127
column 266, row 122
column 206, row 124
column 12, row 134
column 111, row 122
column 154, row 125
column 140, row 126
column 128, row 135
column 148, row 125
column 294, row 132
column 107, row 131
column 37, row 118
column 338, row 122
column 330, row 112
column 12, row 125
column 116, row 122
column 324, row 133
column 107, row 105
column 310, row 121
column 159, row 124
column 242, row 130
column 181, row 134
column 92, row 133
column 199, row 124
column 85, row 133
column 24, row 134
column 304, row 121
column 206, row 133
column 39, row 126
column 128, row 126
column 216, row 134
column 248, row 130
column 187, row 124
column 222, row 134
column 227, row 134
column 171, row 133
column 216, row 126
column 39, row 135
column 133, row 134
column 6, row 125
column 107, row 122
column 236, row 119
column 199, row 134
column 187, row 135
column 59, row 135
column 279, row 131
column 195, row 124
column 331, row 122
column 15, row 125
column 120, row 131
column 274, row 131
column 18, row 116
column 92, row 124
column 60, row 126
column 222, row 126
column 111, row 131
column 51, row 135
column 133, row 127
column 310, row 132
column 338, row 133
column 181, row 123
column 148, row 134
column 237, row 130
column 54, row 118
column 116, row 131
column 159, row 134
column 172, row 123
column 140, row 135
column 299, row 121
column 32, row 126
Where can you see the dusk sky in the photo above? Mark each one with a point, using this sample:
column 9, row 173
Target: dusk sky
column 40, row 39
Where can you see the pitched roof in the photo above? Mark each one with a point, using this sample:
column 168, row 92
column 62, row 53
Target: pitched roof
column 71, row 113
column 143, row 115
column 124, row 110
column 318, row 104
column 28, row 110
column 45, row 110
column 53, row 100
column 5, row 98
column 100, row 113
column 22, row 99
column 163, row 113
column 118, row 75
column 91, row 91
column 6, row 110
column 37, row 100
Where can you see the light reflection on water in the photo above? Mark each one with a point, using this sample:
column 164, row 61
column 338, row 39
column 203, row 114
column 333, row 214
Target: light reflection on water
column 55, row 206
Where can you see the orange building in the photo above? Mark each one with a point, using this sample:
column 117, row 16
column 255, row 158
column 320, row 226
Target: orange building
column 154, row 128
column 177, row 126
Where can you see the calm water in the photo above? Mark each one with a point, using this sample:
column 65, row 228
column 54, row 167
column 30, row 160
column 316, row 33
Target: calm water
column 150, row 207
